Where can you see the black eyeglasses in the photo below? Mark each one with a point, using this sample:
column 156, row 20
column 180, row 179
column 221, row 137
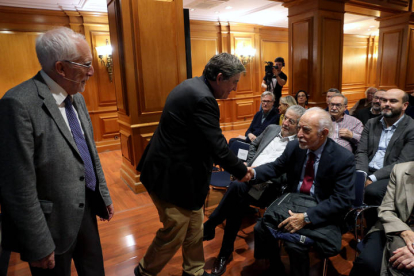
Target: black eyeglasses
column 335, row 105
column 87, row 65
column 267, row 102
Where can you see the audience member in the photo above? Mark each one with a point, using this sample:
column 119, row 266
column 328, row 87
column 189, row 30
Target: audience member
column 52, row 183
column 329, row 94
column 302, row 98
column 314, row 165
column 386, row 140
column 368, row 113
column 284, row 104
column 176, row 165
column 365, row 102
column 264, row 117
column 278, row 80
column 388, row 247
column 266, row 148
column 346, row 129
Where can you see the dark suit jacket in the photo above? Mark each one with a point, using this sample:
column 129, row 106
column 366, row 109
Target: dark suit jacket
column 364, row 115
column 257, row 127
column 42, row 173
column 334, row 181
column 400, row 148
column 177, row 163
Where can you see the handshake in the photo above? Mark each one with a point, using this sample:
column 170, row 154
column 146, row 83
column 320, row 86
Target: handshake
column 249, row 175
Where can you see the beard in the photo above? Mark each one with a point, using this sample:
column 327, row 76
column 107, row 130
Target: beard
column 391, row 113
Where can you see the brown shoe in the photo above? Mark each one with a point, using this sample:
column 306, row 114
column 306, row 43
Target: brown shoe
column 220, row 264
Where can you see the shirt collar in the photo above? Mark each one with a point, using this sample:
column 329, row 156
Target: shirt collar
column 58, row 93
column 290, row 138
column 319, row 151
column 394, row 126
column 339, row 120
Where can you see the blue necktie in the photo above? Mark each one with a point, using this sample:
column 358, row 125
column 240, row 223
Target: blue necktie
column 80, row 141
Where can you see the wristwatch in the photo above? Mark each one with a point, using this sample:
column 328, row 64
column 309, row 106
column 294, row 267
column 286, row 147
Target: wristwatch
column 306, row 218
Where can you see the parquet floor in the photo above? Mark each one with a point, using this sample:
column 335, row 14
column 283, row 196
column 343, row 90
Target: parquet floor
column 126, row 238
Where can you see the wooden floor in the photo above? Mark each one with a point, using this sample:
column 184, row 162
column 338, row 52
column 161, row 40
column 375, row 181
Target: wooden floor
column 126, row 238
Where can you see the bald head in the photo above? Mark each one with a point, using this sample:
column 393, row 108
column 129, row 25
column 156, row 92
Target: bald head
column 314, row 128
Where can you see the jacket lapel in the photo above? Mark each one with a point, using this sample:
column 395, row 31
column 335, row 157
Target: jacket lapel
column 83, row 119
column 376, row 137
column 409, row 190
column 400, row 129
column 50, row 104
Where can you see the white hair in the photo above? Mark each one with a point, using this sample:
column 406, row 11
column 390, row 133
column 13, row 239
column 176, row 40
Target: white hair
column 57, row 44
column 324, row 119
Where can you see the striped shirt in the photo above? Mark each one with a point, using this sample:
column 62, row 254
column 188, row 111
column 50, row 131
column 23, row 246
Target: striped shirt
column 352, row 124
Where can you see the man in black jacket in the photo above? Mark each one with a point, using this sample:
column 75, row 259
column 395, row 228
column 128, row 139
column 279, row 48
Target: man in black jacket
column 314, row 165
column 176, row 165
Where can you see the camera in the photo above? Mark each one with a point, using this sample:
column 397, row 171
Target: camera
column 269, row 72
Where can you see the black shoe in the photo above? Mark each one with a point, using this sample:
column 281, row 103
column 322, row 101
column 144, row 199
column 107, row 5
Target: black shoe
column 220, row 264
column 208, row 233
column 136, row 271
column 204, row 274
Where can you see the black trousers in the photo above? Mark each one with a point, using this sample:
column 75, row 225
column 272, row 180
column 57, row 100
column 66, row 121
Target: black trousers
column 374, row 193
column 267, row 247
column 233, row 207
column 86, row 251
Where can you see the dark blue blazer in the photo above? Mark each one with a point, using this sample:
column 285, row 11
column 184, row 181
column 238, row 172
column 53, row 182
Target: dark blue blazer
column 256, row 127
column 334, row 181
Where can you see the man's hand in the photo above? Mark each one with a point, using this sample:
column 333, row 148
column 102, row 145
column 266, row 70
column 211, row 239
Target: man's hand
column 294, row 223
column 402, row 259
column 368, row 182
column 251, row 136
column 47, row 262
column 345, row 133
column 408, row 237
column 249, row 175
column 111, row 212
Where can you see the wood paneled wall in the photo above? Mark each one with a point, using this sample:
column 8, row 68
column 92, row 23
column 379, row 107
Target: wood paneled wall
column 18, row 31
column 210, row 38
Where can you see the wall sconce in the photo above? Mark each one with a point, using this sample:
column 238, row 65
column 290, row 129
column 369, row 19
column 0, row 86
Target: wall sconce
column 245, row 54
column 106, row 51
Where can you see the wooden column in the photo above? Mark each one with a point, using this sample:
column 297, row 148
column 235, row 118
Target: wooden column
column 315, row 47
column 395, row 66
column 147, row 37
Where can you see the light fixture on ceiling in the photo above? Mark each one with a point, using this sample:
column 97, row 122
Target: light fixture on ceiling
column 228, row 8
column 245, row 53
column 106, row 52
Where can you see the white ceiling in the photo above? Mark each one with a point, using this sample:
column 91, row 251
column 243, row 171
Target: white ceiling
column 261, row 12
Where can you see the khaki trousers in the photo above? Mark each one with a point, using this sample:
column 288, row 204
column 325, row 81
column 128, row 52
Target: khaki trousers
column 181, row 227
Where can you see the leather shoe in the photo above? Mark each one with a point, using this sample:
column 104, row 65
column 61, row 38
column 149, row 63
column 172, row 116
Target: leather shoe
column 136, row 271
column 220, row 264
column 208, row 233
column 204, row 274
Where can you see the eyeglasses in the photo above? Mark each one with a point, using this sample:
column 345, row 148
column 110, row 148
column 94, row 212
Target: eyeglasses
column 336, row 105
column 290, row 121
column 267, row 102
column 87, row 65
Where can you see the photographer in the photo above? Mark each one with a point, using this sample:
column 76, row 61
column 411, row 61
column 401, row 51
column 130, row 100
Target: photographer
column 275, row 78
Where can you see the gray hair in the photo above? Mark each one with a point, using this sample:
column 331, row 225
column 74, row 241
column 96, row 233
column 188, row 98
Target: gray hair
column 371, row 88
column 297, row 109
column 268, row 93
column 333, row 90
column 57, row 44
column 325, row 120
column 226, row 64
column 340, row 95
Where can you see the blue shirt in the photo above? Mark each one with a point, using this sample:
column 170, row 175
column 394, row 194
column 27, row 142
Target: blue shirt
column 378, row 161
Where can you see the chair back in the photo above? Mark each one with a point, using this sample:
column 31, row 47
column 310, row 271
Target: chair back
column 240, row 149
column 359, row 184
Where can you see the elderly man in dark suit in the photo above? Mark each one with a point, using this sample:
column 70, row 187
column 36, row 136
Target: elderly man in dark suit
column 52, row 183
column 266, row 148
column 385, row 141
column 176, row 165
column 314, row 165
column 389, row 245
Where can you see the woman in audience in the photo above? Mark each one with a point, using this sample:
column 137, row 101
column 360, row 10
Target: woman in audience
column 302, row 98
column 285, row 103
